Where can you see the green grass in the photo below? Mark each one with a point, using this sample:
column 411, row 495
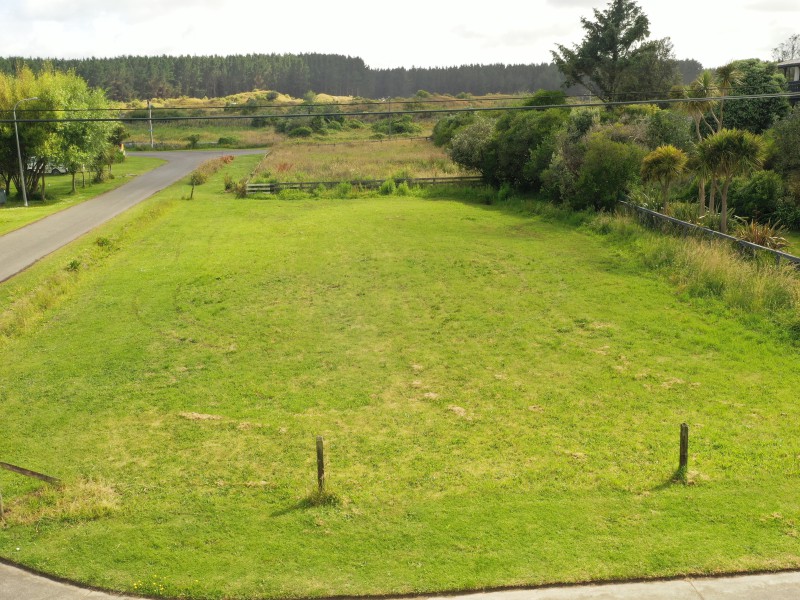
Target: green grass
column 59, row 193
column 175, row 134
column 500, row 396
column 793, row 237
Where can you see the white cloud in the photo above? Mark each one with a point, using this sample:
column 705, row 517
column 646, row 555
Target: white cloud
column 418, row 32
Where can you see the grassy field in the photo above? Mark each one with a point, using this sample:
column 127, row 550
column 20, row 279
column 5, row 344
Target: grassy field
column 239, row 134
column 59, row 193
column 175, row 134
column 500, row 396
column 346, row 161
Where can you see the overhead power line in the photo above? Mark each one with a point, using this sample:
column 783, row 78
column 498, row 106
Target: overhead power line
column 624, row 96
column 387, row 113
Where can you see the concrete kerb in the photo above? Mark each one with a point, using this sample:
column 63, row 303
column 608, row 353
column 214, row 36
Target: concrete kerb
column 20, row 583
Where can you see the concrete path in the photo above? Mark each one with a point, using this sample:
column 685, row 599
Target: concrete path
column 16, row 584
column 22, row 247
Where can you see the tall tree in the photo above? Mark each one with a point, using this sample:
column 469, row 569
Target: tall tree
column 614, row 48
column 756, row 114
column 787, row 50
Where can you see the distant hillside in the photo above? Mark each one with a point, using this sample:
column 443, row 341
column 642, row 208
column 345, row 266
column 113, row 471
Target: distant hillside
column 140, row 77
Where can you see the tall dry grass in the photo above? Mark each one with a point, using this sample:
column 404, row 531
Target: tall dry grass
column 713, row 269
column 349, row 161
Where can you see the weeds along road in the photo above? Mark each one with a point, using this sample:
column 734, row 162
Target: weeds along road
column 20, row 248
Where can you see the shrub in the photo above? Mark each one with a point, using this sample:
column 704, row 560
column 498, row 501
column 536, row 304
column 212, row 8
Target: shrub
column 505, row 192
column 447, row 127
column 763, row 234
column 227, row 141
column 609, row 169
column 300, row 131
column 343, row 190
column 469, row 146
column 788, row 213
column 403, row 189
column 388, row 187
column 668, row 127
column 271, row 96
column 193, row 140
column 546, row 98
column 196, row 178
column 787, row 140
column 396, row 125
column 756, row 196
column 523, row 145
column 240, row 188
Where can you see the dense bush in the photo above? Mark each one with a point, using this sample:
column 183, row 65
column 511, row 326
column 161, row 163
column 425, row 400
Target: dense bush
column 609, row 169
column 388, row 187
column 469, row 146
column 756, row 196
column 669, row 128
column 788, row 213
column 520, row 138
column 756, row 114
column 300, row 131
column 786, row 141
column 447, row 127
column 396, row 125
column 561, row 175
column 546, row 98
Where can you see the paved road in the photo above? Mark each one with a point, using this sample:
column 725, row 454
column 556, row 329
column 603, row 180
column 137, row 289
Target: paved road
column 16, row 584
column 21, row 248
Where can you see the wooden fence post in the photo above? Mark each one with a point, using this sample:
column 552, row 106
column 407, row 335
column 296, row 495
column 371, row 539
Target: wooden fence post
column 684, row 454
column 320, row 464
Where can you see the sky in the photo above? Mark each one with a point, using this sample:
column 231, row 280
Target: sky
column 410, row 33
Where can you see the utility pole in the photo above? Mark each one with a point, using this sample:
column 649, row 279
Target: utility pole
column 150, row 120
column 19, row 152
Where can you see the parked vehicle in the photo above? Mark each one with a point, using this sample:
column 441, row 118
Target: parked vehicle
column 50, row 168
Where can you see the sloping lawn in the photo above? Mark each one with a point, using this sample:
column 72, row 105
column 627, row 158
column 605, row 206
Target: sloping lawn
column 500, row 398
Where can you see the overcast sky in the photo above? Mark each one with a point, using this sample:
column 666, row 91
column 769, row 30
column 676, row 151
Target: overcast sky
column 385, row 34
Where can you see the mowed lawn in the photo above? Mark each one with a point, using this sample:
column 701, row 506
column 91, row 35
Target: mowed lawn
column 500, row 398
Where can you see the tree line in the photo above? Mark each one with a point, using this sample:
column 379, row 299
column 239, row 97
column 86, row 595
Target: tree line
column 128, row 78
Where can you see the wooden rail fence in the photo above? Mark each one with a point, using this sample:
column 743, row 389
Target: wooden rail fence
column 653, row 216
column 273, row 188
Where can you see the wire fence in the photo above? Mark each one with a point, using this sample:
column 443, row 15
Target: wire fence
column 651, row 218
